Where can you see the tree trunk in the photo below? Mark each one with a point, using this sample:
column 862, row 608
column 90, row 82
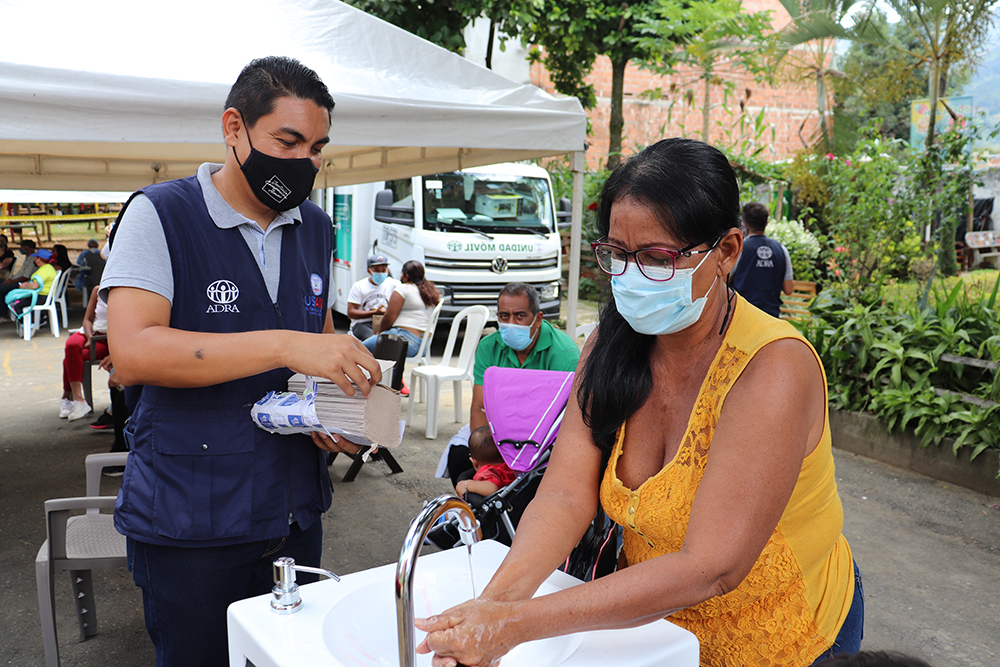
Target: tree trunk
column 617, row 121
column 933, row 93
column 706, row 107
column 821, row 106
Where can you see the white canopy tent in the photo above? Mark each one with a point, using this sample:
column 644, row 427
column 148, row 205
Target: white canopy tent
column 117, row 94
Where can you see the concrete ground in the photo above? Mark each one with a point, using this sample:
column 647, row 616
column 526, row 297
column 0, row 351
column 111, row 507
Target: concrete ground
column 929, row 552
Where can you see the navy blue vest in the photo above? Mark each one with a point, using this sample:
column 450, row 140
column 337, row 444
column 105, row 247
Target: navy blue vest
column 760, row 273
column 200, row 472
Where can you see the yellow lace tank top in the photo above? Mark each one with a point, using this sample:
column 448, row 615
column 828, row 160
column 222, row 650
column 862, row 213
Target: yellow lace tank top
column 793, row 602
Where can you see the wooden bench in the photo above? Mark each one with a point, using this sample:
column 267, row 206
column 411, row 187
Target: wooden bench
column 17, row 230
column 983, row 245
column 968, row 361
column 46, row 221
column 795, row 306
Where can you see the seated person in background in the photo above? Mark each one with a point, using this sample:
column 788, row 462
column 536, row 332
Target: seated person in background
column 42, row 280
column 60, row 257
column 370, row 296
column 409, row 311
column 764, row 269
column 492, row 473
column 73, row 405
column 92, row 265
column 23, row 266
column 524, row 340
column 6, row 257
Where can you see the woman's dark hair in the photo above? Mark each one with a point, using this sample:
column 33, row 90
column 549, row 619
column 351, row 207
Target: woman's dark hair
column 265, row 80
column 692, row 190
column 60, row 257
column 414, row 272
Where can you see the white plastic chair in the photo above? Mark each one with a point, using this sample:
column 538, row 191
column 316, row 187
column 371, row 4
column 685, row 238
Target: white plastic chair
column 424, row 352
column 585, row 330
column 31, row 318
column 77, row 544
column 434, row 375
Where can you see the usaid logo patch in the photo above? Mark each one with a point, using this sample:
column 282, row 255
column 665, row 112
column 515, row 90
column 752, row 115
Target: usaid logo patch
column 314, row 302
column 764, row 252
column 277, row 190
column 455, row 246
column 223, row 295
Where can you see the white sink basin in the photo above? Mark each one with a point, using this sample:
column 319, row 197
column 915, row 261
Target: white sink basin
column 361, row 627
column 352, row 623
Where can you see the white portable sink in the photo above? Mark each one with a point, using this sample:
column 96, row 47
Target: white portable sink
column 353, row 622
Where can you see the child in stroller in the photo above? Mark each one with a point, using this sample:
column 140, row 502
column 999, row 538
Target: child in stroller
column 491, row 472
column 524, row 408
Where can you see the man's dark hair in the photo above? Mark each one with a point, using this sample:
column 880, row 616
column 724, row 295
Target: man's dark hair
column 875, row 659
column 265, row 80
column 4, row 237
column 523, row 289
column 30, row 244
column 755, row 216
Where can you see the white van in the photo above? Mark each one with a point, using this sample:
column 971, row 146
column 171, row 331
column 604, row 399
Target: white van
column 474, row 230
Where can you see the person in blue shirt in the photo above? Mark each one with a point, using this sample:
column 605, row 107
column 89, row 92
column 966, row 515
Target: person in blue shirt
column 200, row 332
column 764, row 269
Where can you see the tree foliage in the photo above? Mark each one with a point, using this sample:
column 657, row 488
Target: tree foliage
column 437, row 21
column 569, row 35
column 880, row 80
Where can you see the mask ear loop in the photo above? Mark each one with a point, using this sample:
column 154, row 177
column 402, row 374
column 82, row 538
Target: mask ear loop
column 730, row 295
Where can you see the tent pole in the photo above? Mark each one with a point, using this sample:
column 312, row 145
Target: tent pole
column 576, row 228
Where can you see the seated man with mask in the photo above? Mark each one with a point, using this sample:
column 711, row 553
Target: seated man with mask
column 524, row 340
column 370, row 296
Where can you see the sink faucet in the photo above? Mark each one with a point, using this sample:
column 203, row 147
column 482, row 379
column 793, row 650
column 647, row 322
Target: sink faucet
column 419, row 527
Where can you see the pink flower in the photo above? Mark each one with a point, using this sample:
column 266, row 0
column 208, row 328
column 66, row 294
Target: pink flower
column 829, row 156
column 837, row 273
column 840, row 248
column 848, row 163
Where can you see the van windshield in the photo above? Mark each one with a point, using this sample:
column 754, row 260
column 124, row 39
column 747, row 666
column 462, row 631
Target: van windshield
column 497, row 203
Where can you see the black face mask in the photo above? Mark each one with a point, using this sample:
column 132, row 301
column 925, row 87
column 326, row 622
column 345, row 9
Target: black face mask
column 279, row 183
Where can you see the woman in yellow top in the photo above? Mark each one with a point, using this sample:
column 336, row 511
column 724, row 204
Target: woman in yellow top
column 702, row 425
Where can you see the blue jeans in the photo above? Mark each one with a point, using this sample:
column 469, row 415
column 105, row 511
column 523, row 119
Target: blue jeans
column 187, row 591
column 851, row 633
column 412, row 341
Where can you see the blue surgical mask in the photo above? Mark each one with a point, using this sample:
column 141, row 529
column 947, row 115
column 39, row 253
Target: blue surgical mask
column 516, row 336
column 654, row 308
column 378, row 278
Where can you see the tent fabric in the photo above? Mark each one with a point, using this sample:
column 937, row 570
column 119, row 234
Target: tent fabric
column 103, row 96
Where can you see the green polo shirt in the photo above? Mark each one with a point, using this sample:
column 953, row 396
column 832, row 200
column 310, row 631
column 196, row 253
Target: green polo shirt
column 554, row 351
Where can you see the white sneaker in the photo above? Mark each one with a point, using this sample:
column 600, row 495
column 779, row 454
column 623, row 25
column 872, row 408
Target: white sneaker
column 65, row 407
column 80, row 410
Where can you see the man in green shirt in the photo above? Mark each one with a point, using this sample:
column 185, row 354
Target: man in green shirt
column 524, row 340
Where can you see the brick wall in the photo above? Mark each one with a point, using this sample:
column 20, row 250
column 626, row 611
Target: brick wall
column 790, row 107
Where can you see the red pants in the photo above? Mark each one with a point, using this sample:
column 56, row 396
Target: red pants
column 76, row 354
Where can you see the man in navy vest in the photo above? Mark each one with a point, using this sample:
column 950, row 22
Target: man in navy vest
column 764, row 269
column 219, row 287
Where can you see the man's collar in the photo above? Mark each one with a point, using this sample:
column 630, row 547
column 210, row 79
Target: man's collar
column 224, row 215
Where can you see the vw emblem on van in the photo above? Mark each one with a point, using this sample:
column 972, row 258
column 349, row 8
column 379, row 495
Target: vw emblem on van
column 454, row 246
column 499, row 265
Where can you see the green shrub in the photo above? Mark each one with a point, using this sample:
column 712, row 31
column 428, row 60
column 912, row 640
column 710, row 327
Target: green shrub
column 802, row 246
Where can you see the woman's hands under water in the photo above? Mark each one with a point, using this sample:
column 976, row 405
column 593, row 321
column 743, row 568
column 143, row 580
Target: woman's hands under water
column 476, row 633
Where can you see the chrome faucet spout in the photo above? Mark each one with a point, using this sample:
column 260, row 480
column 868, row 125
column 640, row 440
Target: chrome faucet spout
column 406, row 568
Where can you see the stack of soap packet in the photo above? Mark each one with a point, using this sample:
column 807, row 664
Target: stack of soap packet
column 375, row 419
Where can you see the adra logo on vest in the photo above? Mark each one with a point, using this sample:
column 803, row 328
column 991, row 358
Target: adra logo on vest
column 223, row 295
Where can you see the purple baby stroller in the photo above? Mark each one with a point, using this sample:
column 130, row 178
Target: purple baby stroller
column 524, row 408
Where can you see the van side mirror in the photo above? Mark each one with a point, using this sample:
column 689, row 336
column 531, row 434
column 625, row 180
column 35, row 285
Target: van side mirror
column 564, row 213
column 386, row 211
